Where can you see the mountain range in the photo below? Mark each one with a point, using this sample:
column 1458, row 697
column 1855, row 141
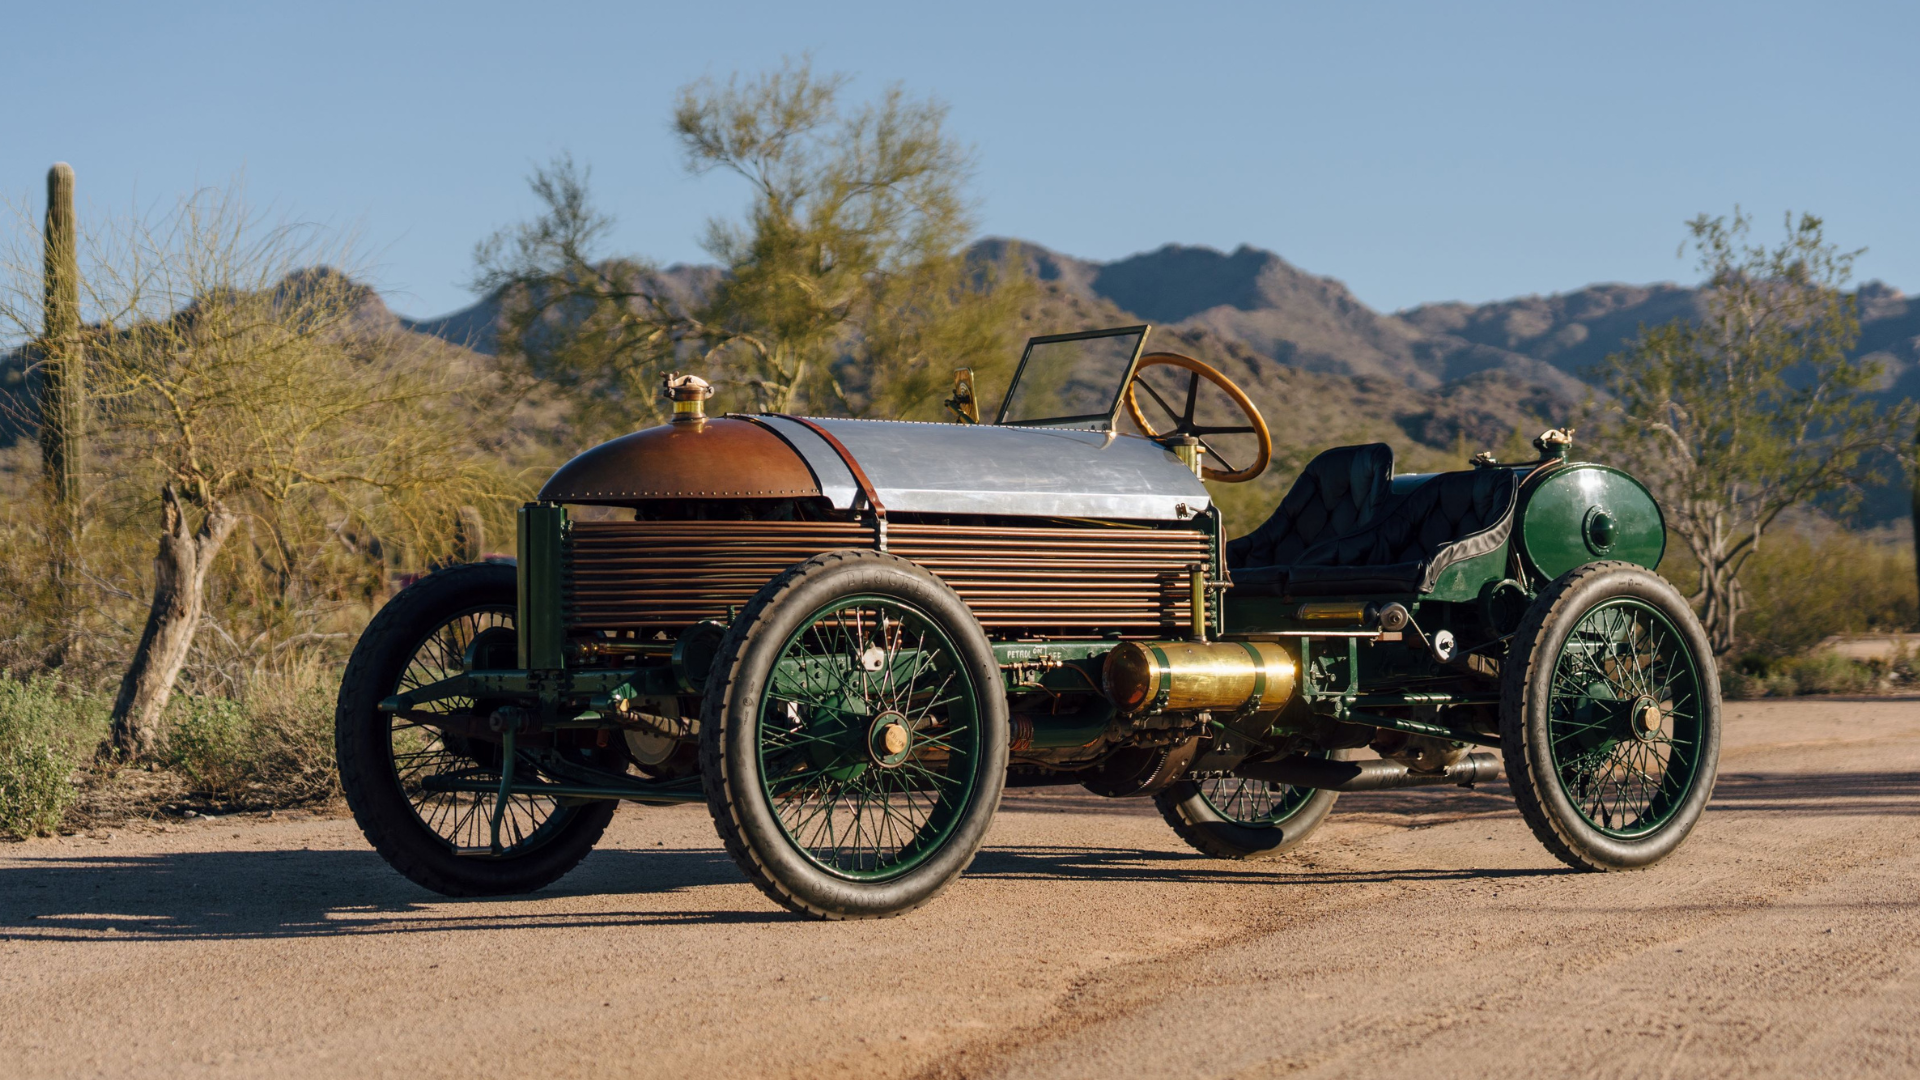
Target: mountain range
column 1259, row 302
column 1323, row 367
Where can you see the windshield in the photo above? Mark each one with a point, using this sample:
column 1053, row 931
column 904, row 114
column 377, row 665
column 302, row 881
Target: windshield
column 1072, row 380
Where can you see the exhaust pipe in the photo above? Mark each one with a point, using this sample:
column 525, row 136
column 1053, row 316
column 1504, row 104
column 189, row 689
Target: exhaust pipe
column 1376, row 775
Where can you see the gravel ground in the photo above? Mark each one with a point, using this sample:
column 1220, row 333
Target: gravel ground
column 1420, row 931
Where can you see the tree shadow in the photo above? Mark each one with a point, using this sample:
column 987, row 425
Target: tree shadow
column 1825, row 793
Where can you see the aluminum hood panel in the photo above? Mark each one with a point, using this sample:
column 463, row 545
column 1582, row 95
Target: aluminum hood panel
column 968, row 469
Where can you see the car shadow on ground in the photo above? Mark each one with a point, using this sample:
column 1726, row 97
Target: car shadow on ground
column 1141, row 866
column 305, row 893
column 226, row 895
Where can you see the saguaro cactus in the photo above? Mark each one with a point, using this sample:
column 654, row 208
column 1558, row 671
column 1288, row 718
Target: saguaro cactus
column 63, row 396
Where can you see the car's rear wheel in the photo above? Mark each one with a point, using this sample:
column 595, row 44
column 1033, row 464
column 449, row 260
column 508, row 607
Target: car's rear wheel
column 392, row 768
column 854, row 737
column 1232, row 817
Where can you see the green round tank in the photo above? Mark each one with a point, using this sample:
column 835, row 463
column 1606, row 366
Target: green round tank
column 1582, row 513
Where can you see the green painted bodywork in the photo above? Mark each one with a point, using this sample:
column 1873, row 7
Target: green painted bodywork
column 542, row 543
column 1464, row 580
column 1568, row 515
column 1560, row 521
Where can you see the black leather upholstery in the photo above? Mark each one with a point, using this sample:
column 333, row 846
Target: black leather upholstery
column 1338, row 492
column 1405, row 546
column 1451, row 517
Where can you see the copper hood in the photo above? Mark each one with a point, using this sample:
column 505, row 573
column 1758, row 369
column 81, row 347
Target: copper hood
column 722, row 458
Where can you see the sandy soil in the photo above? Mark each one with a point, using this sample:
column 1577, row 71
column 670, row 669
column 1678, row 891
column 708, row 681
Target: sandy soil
column 1420, row 932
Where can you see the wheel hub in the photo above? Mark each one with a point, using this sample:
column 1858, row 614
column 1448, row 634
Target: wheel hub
column 1648, row 719
column 889, row 739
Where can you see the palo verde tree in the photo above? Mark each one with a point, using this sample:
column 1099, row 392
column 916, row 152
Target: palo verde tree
column 846, row 282
column 845, row 286
column 599, row 329
column 242, row 389
column 1754, row 406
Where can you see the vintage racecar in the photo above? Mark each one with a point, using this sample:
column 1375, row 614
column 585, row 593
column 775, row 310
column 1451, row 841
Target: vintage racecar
column 846, row 637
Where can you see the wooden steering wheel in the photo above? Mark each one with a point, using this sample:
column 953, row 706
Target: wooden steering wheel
column 1183, row 418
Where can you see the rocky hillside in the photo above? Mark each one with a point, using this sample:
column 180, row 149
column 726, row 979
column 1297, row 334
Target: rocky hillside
column 1279, row 311
column 1434, row 379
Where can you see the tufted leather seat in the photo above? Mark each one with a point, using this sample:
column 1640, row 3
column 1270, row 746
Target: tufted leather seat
column 1401, row 548
column 1338, row 492
column 1451, row 517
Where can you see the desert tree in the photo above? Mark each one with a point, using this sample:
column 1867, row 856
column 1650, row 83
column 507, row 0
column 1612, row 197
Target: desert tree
column 1753, row 406
column 241, row 385
column 597, row 328
column 844, row 286
column 848, row 266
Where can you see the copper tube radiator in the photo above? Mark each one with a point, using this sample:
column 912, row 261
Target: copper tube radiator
column 646, row 576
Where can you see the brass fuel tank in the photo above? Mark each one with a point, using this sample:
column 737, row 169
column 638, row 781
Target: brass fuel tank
column 1184, row 676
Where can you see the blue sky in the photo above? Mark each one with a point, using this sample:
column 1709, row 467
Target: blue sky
column 1418, row 152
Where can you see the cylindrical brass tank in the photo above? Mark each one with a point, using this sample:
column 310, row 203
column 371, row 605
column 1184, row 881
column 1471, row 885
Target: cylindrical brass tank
column 1184, row 676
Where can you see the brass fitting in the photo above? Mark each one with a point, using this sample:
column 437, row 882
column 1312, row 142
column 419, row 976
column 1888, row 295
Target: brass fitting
column 689, row 394
column 1554, row 443
column 1147, row 677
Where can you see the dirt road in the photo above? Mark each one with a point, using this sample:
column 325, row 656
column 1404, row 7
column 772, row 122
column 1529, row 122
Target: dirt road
column 1420, row 932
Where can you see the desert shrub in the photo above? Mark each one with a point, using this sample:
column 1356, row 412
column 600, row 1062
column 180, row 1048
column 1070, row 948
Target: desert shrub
column 210, row 740
column 45, row 733
column 1740, row 685
column 1758, row 675
column 1808, row 583
column 1831, row 673
column 271, row 746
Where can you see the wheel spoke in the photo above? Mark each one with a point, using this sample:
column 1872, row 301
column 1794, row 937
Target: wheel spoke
column 1218, row 456
column 1253, row 803
column 849, row 801
column 1621, row 661
column 418, row 751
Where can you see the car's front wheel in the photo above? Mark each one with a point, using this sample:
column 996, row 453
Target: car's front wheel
column 854, row 739
column 423, row 788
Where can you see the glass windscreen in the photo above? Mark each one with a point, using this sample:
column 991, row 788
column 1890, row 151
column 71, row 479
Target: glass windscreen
column 1072, row 380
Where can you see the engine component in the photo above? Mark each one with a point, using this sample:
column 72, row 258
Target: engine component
column 1377, row 775
column 1393, row 617
column 1421, row 753
column 648, row 576
column 1147, row 677
column 693, row 654
column 1341, row 613
column 1133, row 771
column 654, row 728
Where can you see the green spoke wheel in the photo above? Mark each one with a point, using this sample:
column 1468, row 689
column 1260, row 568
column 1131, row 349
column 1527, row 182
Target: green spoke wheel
column 394, row 768
column 855, row 741
column 1232, row 817
column 1611, row 726
column 1253, row 802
